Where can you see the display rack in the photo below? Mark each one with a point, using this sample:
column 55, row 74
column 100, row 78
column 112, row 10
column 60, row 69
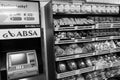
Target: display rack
column 85, row 70
column 87, row 55
column 68, row 19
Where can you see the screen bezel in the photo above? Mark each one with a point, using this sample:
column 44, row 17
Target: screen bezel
column 10, row 61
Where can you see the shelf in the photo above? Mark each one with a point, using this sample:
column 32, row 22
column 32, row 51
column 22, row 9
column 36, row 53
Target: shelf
column 115, row 50
column 81, row 13
column 75, row 72
column 64, row 41
column 74, row 56
column 85, row 70
column 83, row 55
column 86, row 40
column 97, row 26
column 65, row 28
column 73, row 28
column 116, row 25
column 67, row 74
column 107, row 38
column 70, row 13
column 103, row 25
column 115, row 64
column 87, row 54
column 115, row 37
column 102, row 38
column 102, row 52
column 88, row 69
column 107, row 25
column 74, row 41
column 67, row 57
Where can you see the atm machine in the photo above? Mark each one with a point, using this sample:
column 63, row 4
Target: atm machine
column 21, row 64
column 21, row 44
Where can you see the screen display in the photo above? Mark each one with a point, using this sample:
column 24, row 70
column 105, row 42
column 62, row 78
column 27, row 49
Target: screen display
column 18, row 59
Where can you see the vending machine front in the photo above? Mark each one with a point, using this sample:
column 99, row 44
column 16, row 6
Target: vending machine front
column 21, row 47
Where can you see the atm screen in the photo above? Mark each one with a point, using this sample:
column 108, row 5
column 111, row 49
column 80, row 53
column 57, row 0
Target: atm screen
column 18, row 59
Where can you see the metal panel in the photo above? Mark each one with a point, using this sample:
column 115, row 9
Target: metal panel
column 49, row 42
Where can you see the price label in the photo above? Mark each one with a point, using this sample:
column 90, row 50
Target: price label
column 111, row 25
column 77, row 72
column 57, row 59
column 111, row 65
column 57, row 26
column 71, row 25
column 94, row 53
column 93, row 27
column 113, row 50
column 105, row 1
column 56, row 42
column 97, row 26
column 78, row 3
column 76, row 27
column 56, row 29
column 58, row 76
column 77, row 56
column 94, row 68
column 93, row 39
column 96, row 39
column 111, row 37
column 76, row 40
column 118, row 49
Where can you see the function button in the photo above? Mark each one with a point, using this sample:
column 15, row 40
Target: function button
column 22, row 67
column 31, row 54
column 33, row 65
column 32, row 61
column 18, row 67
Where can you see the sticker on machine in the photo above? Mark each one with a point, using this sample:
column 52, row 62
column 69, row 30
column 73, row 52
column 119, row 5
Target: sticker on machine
column 19, row 33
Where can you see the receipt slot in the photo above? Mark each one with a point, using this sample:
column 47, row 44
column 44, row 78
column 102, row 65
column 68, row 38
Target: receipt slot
column 21, row 64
